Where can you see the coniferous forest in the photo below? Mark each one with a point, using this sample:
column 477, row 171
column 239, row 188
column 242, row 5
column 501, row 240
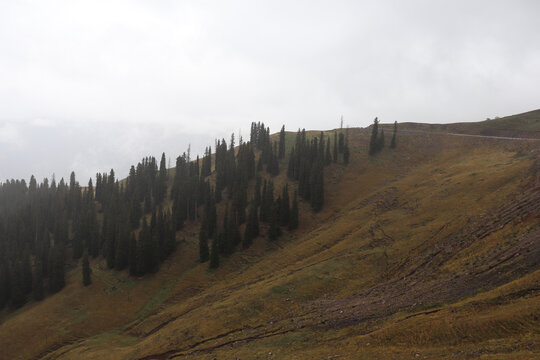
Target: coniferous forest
column 133, row 224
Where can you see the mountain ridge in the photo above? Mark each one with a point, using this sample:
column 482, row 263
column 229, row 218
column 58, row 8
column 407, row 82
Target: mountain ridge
column 436, row 213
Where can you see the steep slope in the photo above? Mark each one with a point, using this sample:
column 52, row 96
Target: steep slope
column 428, row 250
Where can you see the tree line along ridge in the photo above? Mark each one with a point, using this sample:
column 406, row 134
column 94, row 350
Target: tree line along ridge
column 133, row 224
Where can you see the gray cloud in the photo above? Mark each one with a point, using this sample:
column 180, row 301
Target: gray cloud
column 86, row 148
column 184, row 72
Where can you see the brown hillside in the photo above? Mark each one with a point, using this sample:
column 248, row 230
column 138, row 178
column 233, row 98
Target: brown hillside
column 430, row 250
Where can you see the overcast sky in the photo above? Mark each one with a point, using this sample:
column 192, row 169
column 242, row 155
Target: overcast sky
column 90, row 85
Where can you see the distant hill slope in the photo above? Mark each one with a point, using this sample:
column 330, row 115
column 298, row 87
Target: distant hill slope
column 429, row 250
column 525, row 125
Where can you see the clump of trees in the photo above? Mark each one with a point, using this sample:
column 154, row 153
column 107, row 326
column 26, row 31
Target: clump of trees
column 377, row 140
column 235, row 169
column 45, row 225
column 133, row 223
column 306, row 165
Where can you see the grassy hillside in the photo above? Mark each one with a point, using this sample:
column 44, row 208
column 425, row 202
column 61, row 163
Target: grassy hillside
column 426, row 251
column 525, row 125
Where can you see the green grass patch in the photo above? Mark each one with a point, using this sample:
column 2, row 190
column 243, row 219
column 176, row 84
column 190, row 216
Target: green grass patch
column 116, row 335
column 280, row 290
column 158, row 298
column 290, row 339
column 62, row 331
column 155, row 301
column 251, row 309
column 76, row 315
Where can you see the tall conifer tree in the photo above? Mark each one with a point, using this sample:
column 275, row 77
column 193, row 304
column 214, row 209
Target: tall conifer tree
column 293, row 219
column 38, row 292
column 393, row 142
column 252, row 227
column 274, row 231
column 132, row 255
column 204, row 252
column 373, row 141
column 214, row 254
column 328, row 155
column 86, row 271
column 285, row 211
column 346, row 154
column 381, row 141
column 281, row 154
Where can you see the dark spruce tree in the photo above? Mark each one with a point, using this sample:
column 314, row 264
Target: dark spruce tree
column 147, row 204
column 393, row 142
column 155, row 253
column 320, row 148
column 212, row 218
column 214, row 254
column 328, row 155
column 346, row 154
column 109, row 234
column 18, row 297
column 122, row 245
column 285, row 211
column 27, row 273
column 317, row 187
column 291, row 167
column 86, row 271
column 143, row 249
column 293, row 219
column 45, row 251
column 274, row 231
column 273, row 162
column 204, row 252
column 56, row 271
column 38, row 291
column 264, row 208
column 281, row 154
column 252, row 227
column 316, row 182
column 78, row 237
column 4, row 285
column 161, row 184
column 170, row 233
column 381, row 141
column 89, row 194
column 232, row 235
column 374, row 140
column 267, row 200
column 207, row 163
column 132, row 255
column 257, row 194
column 147, row 248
